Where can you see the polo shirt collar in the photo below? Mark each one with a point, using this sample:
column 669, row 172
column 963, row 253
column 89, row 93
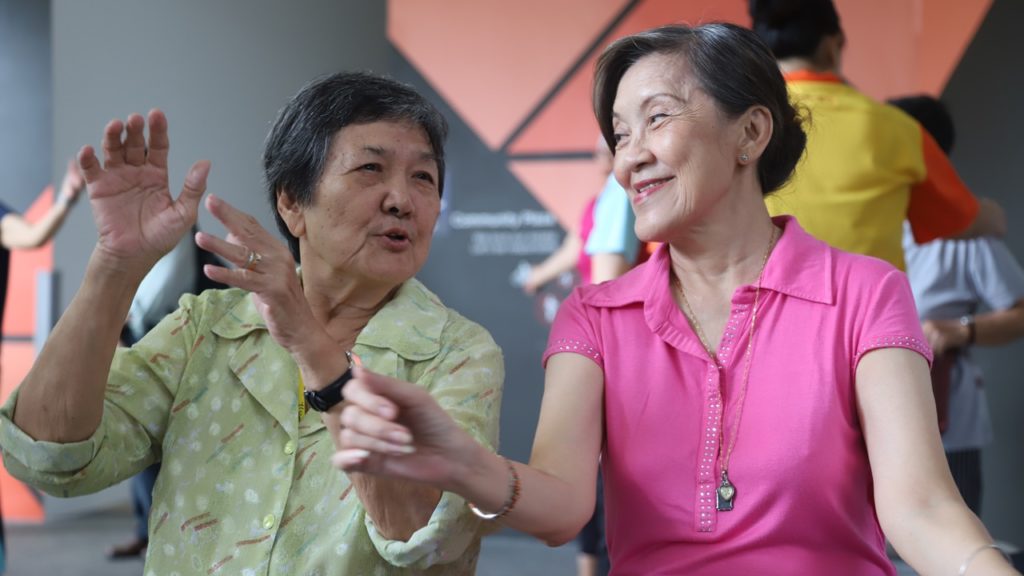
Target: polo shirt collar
column 409, row 325
column 799, row 266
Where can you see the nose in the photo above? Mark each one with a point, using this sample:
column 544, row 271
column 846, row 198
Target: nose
column 631, row 156
column 398, row 200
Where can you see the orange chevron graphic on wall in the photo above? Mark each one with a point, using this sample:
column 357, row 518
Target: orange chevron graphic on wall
column 519, row 73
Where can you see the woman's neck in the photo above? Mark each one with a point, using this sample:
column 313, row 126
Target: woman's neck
column 726, row 249
column 344, row 306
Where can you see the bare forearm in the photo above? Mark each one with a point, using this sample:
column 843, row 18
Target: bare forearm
column 1000, row 326
column 549, row 508
column 398, row 508
column 18, row 233
column 562, row 260
column 48, row 225
column 937, row 538
column 61, row 399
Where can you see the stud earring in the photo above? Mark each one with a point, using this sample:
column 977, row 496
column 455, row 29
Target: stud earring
column 744, row 158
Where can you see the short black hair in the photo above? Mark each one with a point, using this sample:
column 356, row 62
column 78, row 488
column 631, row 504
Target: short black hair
column 732, row 65
column 794, row 27
column 933, row 116
column 298, row 145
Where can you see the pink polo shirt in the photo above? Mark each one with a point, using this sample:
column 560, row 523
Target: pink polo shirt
column 804, row 499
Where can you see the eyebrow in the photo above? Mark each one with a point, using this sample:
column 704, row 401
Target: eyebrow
column 646, row 101
column 380, row 151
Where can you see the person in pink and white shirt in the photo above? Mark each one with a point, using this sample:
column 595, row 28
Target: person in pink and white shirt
column 760, row 400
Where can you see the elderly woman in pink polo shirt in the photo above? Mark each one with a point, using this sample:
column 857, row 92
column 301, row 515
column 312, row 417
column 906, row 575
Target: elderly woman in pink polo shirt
column 760, row 401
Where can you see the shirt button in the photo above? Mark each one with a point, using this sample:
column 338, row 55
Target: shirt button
column 289, row 447
column 268, row 521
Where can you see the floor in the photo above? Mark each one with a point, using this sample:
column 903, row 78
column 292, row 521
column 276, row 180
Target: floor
column 75, row 546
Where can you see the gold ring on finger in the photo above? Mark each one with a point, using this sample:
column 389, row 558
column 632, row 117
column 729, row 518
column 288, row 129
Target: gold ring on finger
column 253, row 260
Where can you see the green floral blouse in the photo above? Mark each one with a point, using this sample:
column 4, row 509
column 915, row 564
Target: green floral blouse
column 245, row 487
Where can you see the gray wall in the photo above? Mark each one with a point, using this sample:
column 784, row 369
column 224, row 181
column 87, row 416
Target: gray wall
column 984, row 96
column 25, row 112
column 220, row 70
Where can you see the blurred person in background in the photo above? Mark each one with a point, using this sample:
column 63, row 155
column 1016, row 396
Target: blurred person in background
column 969, row 293
column 868, row 168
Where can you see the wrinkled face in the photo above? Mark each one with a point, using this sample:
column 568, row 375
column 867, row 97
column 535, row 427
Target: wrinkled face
column 373, row 212
column 675, row 151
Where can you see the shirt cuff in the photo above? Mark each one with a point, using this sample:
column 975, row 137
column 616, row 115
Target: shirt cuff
column 41, row 458
column 449, row 533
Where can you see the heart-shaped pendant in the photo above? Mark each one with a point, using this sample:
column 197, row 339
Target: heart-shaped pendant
column 726, row 492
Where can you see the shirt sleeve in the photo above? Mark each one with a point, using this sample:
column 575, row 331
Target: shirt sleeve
column 466, row 380
column 996, row 275
column 137, row 402
column 941, row 206
column 613, row 224
column 889, row 319
column 573, row 333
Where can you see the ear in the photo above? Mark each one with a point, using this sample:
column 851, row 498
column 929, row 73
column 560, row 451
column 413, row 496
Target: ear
column 292, row 213
column 755, row 132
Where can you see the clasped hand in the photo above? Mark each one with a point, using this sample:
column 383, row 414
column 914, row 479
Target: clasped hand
column 397, row 429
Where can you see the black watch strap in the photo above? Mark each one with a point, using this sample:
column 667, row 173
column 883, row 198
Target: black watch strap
column 327, row 397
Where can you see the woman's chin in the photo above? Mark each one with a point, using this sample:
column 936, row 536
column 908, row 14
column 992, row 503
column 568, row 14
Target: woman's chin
column 651, row 231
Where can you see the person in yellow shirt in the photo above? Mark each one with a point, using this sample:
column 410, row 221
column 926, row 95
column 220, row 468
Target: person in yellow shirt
column 868, row 166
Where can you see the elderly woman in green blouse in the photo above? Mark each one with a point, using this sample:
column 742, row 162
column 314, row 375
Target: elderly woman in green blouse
column 237, row 392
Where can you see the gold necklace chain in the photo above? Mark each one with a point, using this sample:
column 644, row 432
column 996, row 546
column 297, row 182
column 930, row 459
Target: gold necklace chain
column 727, row 490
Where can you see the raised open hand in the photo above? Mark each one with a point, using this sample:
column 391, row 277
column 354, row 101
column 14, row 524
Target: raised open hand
column 263, row 266
column 137, row 219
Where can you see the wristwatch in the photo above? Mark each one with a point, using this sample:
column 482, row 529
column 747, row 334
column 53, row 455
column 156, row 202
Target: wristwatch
column 968, row 321
column 327, row 397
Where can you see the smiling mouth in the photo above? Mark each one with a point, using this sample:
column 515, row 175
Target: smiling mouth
column 647, row 187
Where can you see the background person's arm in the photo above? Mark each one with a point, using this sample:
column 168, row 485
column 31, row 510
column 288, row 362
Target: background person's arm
column 608, row 266
column 612, row 245
column 990, row 221
column 560, row 261
column 997, row 280
column 18, row 233
column 992, row 328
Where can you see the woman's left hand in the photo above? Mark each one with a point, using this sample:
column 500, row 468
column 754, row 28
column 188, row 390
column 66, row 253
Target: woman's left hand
column 263, row 266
